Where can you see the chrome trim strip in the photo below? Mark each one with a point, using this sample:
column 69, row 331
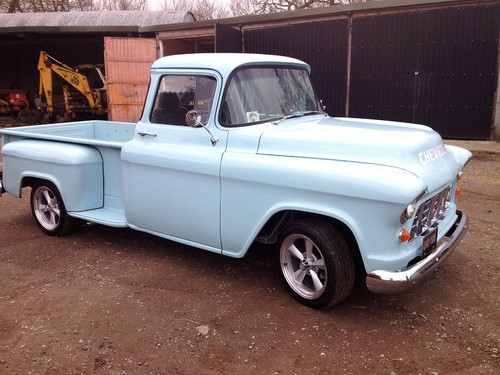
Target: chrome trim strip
column 387, row 282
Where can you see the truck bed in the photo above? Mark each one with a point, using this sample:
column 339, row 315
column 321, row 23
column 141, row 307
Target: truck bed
column 52, row 143
column 95, row 132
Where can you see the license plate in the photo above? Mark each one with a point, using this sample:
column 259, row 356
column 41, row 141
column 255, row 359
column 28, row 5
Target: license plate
column 429, row 244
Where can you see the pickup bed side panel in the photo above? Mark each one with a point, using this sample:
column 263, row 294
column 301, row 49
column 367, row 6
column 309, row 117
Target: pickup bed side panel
column 96, row 132
column 76, row 170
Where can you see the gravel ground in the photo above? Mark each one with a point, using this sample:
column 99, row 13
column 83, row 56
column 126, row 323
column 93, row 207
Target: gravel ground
column 114, row 301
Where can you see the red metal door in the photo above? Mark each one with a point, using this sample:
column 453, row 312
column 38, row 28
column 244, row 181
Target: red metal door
column 128, row 61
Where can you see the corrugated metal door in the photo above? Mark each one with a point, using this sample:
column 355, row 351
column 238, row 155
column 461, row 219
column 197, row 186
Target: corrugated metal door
column 227, row 39
column 128, row 62
column 435, row 68
column 323, row 45
column 383, row 56
column 456, row 71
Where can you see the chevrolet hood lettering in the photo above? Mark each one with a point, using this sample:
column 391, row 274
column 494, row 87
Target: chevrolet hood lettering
column 432, row 154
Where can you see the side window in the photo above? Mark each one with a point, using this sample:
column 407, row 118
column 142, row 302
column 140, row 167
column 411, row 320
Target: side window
column 178, row 94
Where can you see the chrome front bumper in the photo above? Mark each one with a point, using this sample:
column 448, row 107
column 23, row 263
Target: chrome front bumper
column 387, row 282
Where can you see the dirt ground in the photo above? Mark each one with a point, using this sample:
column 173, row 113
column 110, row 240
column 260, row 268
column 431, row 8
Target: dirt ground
column 115, row 301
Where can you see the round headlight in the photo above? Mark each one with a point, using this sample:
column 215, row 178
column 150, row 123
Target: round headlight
column 410, row 209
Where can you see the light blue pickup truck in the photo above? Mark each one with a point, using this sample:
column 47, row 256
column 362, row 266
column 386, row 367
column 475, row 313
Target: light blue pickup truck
column 234, row 149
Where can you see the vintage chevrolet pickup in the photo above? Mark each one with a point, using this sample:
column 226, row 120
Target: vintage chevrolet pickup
column 235, row 148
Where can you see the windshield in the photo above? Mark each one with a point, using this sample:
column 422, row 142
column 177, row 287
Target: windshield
column 267, row 94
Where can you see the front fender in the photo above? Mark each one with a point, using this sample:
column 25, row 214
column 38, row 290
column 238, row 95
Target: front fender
column 368, row 199
column 76, row 170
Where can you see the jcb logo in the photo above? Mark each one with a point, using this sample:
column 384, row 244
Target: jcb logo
column 74, row 80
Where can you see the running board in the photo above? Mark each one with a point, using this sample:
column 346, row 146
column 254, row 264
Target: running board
column 105, row 216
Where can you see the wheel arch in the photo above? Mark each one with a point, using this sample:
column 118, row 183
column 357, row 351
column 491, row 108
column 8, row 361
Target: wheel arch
column 30, row 179
column 270, row 232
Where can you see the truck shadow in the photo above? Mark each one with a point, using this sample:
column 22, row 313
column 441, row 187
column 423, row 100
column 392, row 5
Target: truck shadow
column 254, row 277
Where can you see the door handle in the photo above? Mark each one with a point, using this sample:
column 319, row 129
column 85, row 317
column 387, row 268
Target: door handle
column 143, row 134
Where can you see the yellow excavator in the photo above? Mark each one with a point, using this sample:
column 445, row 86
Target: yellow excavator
column 81, row 102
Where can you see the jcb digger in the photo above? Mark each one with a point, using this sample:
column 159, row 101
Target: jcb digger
column 81, row 102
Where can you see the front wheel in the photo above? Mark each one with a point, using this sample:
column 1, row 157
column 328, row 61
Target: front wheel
column 316, row 263
column 48, row 209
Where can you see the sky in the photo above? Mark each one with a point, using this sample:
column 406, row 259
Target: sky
column 156, row 4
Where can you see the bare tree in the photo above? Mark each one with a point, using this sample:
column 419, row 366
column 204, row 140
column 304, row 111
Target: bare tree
column 202, row 9
column 210, row 9
column 245, row 7
column 173, row 5
column 242, row 7
column 11, row 6
column 27, row 6
column 86, row 5
column 125, row 4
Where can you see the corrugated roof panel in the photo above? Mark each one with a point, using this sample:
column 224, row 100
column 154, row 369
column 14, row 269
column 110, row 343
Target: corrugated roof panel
column 102, row 19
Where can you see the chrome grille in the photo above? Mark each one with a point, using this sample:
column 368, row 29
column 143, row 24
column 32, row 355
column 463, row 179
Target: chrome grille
column 429, row 212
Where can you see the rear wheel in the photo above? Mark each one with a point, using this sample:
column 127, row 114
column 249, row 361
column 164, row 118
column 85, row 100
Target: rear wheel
column 316, row 263
column 48, row 209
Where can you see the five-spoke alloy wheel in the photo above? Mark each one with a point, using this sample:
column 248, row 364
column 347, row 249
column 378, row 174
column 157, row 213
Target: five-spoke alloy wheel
column 48, row 209
column 316, row 263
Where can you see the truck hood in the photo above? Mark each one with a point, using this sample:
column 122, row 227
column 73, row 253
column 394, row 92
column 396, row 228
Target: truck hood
column 406, row 146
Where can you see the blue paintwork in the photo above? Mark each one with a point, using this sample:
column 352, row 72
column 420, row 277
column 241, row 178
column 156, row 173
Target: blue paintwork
column 76, row 170
column 176, row 185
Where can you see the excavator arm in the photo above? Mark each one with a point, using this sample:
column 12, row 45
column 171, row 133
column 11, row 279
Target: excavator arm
column 47, row 64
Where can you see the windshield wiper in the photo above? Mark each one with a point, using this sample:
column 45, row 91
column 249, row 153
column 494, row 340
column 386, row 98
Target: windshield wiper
column 298, row 114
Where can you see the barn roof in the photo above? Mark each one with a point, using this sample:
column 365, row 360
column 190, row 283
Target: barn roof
column 79, row 22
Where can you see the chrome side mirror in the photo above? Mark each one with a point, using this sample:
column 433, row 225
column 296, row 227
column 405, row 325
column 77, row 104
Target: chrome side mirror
column 193, row 119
